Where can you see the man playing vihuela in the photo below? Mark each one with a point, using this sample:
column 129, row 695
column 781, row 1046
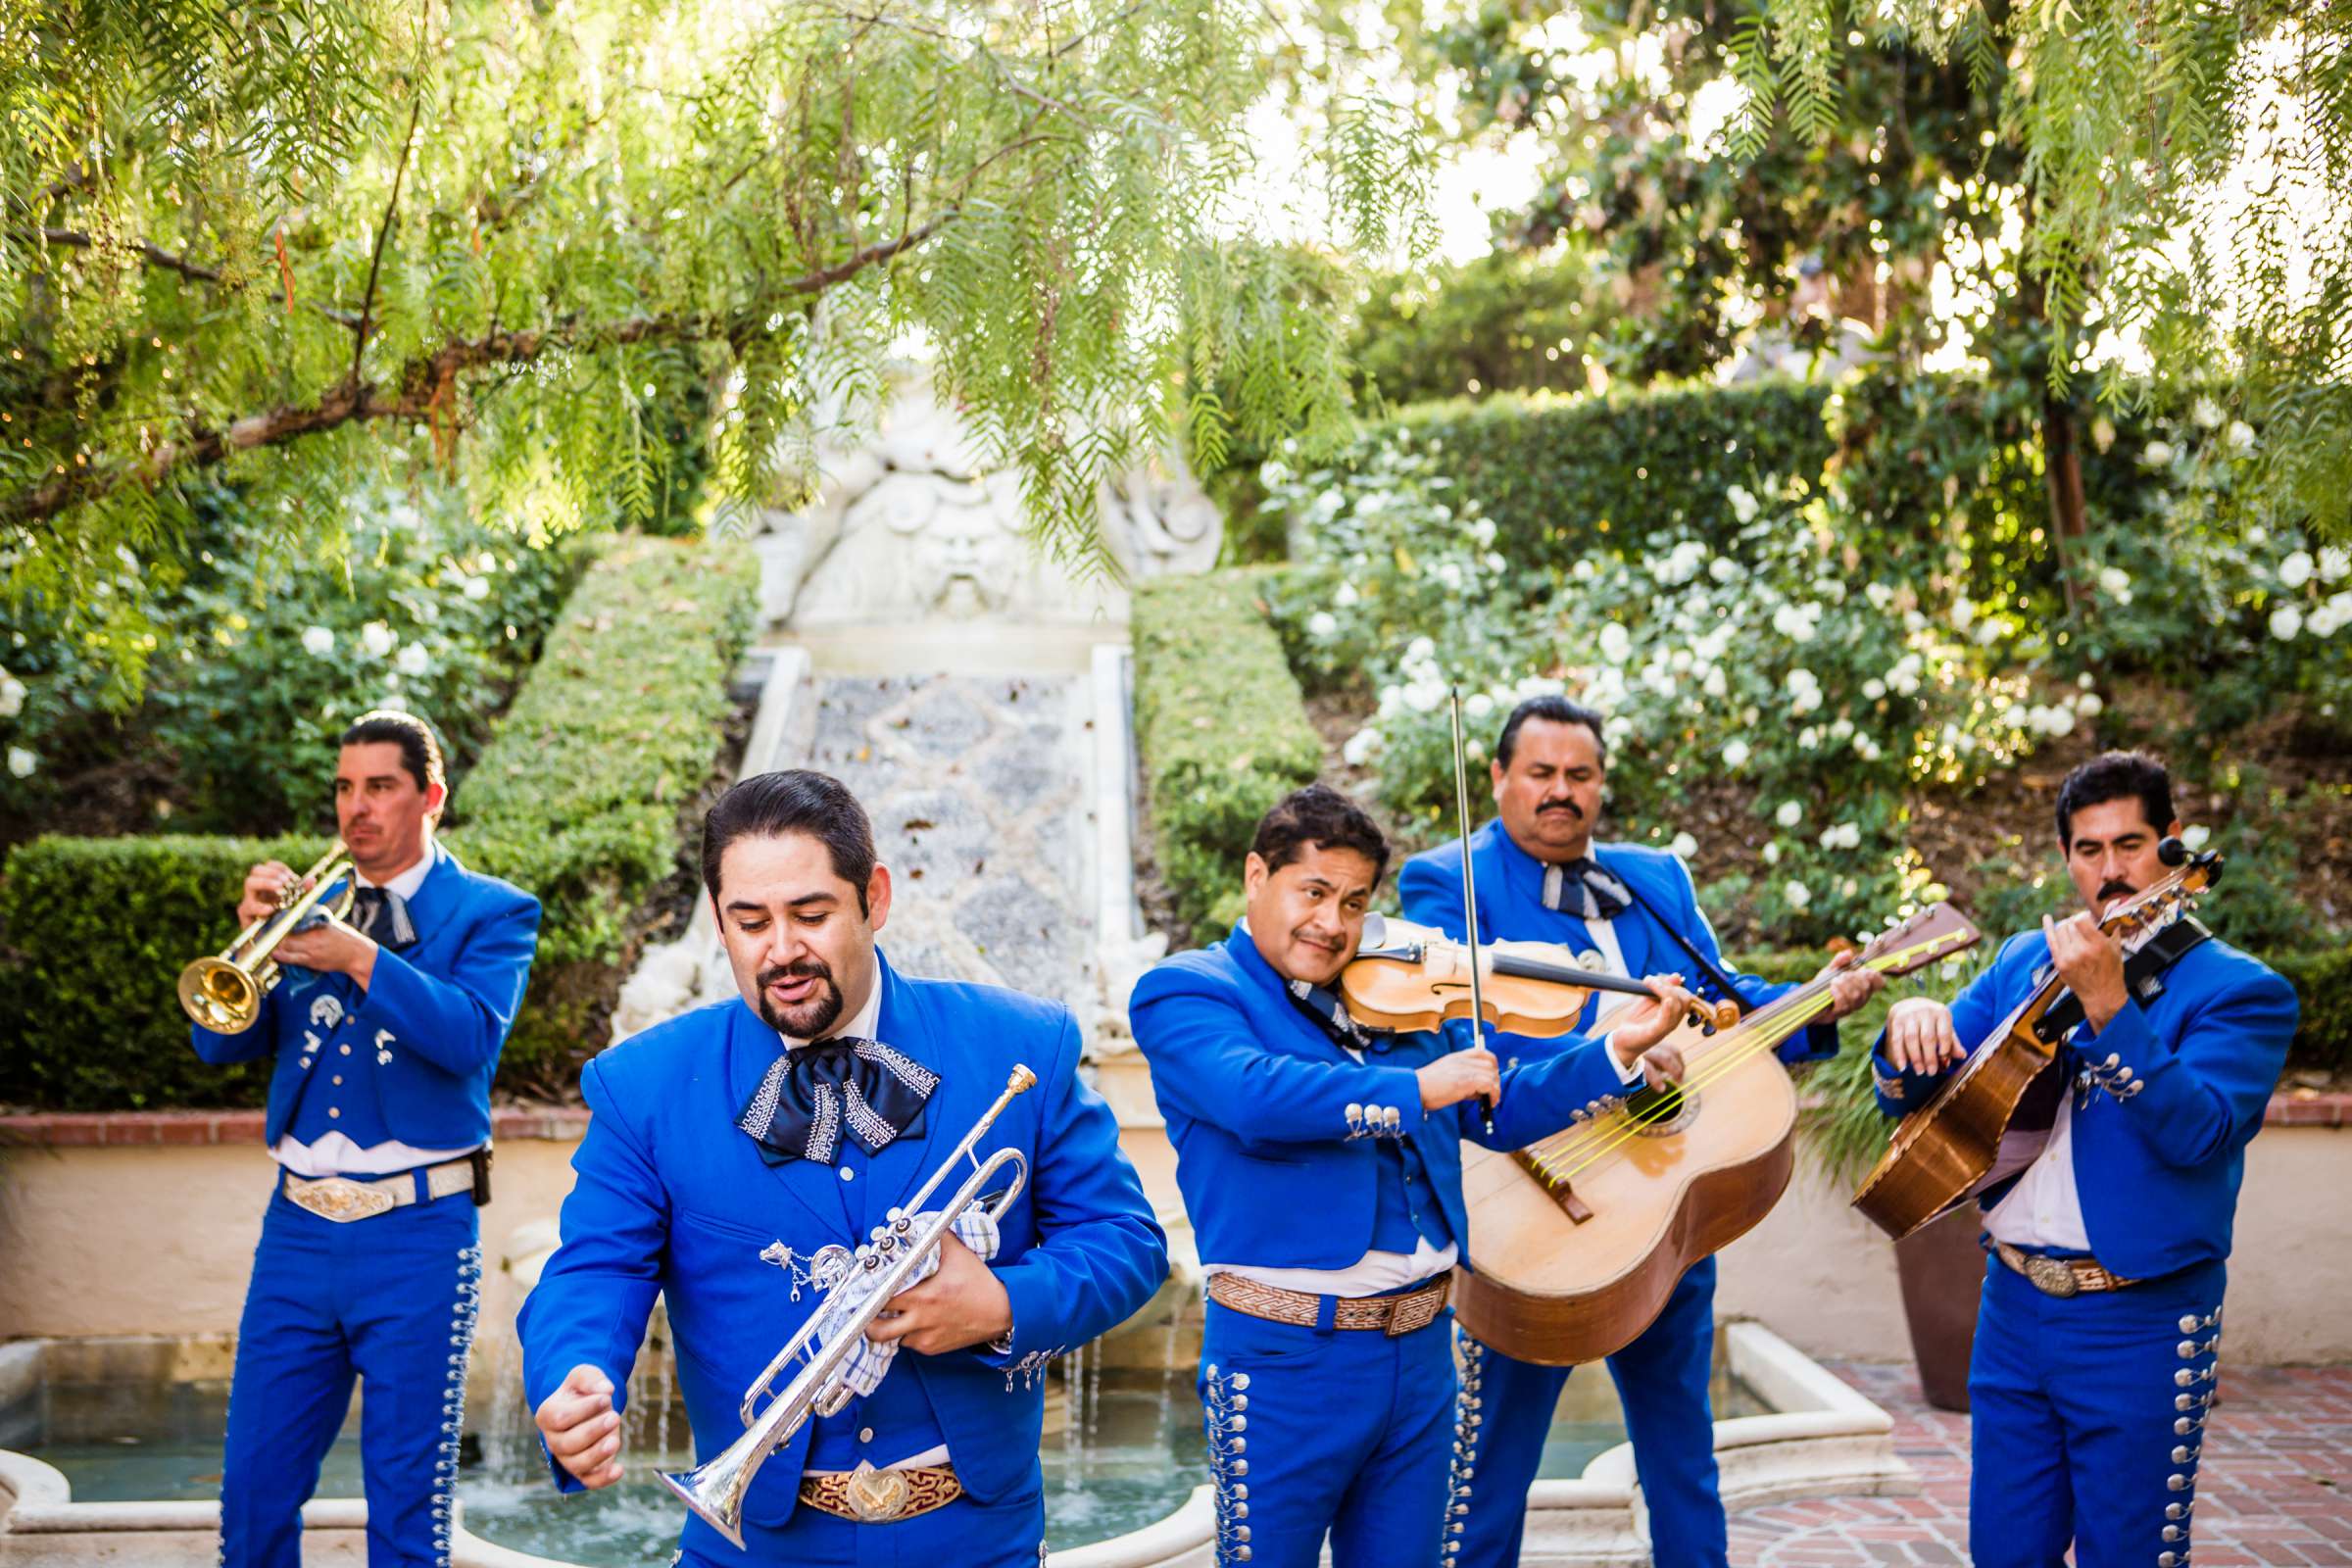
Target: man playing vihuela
column 2108, row 1215
column 731, row 1147
column 1629, row 911
column 1321, row 1165
column 386, row 1031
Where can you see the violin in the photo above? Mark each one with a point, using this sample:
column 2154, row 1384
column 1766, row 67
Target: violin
column 1412, row 978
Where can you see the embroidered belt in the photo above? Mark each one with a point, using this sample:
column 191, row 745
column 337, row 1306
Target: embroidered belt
column 2060, row 1276
column 343, row 1198
column 1391, row 1314
column 866, row 1496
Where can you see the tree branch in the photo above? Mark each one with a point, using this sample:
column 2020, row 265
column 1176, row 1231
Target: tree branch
column 153, row 255
column 383, row 231
column 423, row 380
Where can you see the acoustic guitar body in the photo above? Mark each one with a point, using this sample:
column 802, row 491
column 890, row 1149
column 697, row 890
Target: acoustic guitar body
column 1942, row 1150
column 1559, row 1293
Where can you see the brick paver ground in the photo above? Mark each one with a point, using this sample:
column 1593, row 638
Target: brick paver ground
column 2274, row 1490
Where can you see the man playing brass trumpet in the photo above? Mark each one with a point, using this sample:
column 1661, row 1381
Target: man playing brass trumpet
column 386, row 1031
column 737, row 1151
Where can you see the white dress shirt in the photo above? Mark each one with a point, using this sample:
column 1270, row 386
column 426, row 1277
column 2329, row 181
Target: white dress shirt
column 2044, row 1208
column 337, row 1156
column 862, row 1027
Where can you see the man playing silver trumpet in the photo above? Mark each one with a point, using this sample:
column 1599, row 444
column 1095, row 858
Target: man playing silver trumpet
column 755, row 1161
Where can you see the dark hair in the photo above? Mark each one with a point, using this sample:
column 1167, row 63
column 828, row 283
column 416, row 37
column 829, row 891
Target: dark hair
column 420, row 746
column 2113, row 776
column 1322, row 816
column 1554, row 710
column 797, row 800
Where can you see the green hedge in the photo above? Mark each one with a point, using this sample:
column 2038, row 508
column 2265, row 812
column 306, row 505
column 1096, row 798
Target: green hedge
column 1555, row 473
column 1222, row 730
column 578, row 798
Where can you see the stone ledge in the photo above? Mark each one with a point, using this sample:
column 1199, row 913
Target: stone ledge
column 184, row 1129
column 2309, row 1108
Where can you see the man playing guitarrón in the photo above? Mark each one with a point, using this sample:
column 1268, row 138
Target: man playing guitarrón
column 1625, row 910
column 2109, row 1213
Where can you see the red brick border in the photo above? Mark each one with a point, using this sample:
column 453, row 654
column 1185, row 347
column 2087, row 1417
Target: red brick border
column 184, row 1129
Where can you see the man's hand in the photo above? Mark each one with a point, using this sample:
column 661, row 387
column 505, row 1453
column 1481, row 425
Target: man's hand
column 331, row 947
column 1661, row 1065
column 582, row 1429
column 962, row 1304
column 1920, row 1037
column 1849, row 988
column 1643, row 1023
column 262, row 886
column 1459, row 1075
column 2090, row 963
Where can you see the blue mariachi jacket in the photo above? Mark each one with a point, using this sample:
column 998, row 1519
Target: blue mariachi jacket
column 1255, row 1097
column 1511, row 909
column 2156, row 1167
column 432, row 1019
column 671, row 1197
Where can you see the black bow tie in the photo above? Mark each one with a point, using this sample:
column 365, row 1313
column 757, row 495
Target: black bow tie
column 1581, row 888
column 1331, row 1016
column 383, row 914
column 813, row 1094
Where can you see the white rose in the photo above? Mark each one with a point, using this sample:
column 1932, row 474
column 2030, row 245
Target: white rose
column 2322, row 622
column 1797, row 894
column 22, row 763
column 2335, row 562
column 1873, row 689
column 1684, row 846
column 2089, row 704
column 1419, row 649
column 1616, row 643
column 1483, row 530
column 1723, row 569
column 2157, row 454
column 377, row 639
column 1478, row 705
column 2286, row 621
column 12, row 696
column 1322, row 623
column 318, row 642
column 1736, row 755
column 1789, row 815
column 2296, row 569
column 1772, row 855
column 1424, row 696
column 1715, row 685
column 2194, row 836
column 1744, row 505
column 1361, row 746
column 477, row 589
column 413, row 660
column 2206, row 412
column 1345, row 597
column 2241, row 436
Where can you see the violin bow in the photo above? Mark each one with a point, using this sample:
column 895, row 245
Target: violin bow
column 1461, row 809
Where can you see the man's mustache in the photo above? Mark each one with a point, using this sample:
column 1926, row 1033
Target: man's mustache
column 2116, row 888
column 1570, row 806
column 798, row 969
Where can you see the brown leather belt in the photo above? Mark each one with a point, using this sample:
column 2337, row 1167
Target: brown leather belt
column 1391, row 1315
column 2060, row 1276
column 866, row 1496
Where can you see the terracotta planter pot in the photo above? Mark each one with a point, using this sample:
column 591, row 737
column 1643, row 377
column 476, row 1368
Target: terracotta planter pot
column 1943, row 1272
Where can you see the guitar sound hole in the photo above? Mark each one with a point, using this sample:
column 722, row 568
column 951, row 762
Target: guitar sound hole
column 1655, row 1112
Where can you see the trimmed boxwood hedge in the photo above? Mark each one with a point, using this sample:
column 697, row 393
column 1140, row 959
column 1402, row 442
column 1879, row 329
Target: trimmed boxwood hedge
column 578, row 798
column 1222, row 730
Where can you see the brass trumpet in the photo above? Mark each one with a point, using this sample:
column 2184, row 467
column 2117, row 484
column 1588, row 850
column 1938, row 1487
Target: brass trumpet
column 868, row 1279
column 224, row 993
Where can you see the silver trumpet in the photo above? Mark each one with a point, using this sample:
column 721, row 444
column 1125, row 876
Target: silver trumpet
column 864, row 1281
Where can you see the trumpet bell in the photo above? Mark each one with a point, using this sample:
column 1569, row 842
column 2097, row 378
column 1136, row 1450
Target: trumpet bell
column 220, row 996
column 714, row 1494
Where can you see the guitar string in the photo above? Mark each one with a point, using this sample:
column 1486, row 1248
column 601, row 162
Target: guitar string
column 1765, row 1034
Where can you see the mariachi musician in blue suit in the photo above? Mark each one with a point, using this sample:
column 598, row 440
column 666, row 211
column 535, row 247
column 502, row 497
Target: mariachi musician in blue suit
column 1321, row 1165
column 386, row 1032
column 731, row 1146
column 1629, row 911
column 2108, row 1217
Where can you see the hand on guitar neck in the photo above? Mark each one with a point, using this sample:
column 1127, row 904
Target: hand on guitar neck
column 1638, row 1029
column 2092, row 963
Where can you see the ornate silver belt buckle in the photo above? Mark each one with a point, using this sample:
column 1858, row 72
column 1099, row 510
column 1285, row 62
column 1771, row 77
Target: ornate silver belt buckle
column 876, row 1496
column 339, row 1199
column 2051, row 1276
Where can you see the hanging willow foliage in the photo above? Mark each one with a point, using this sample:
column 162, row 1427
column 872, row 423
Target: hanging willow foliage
column 296, row 244
column 2189, row 167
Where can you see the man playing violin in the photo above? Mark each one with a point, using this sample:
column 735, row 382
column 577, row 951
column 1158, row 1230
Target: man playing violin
column 2108, row 1210
column 1625, row 910
column 1321, row 1164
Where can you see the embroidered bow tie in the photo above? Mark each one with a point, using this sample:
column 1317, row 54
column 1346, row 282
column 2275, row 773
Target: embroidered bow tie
column 813, row 1096
column 1331, row 1015
column 383, row 914
column 1582, row 889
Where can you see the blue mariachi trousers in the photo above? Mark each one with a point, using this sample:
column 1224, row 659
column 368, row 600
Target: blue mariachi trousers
column 1340, row 1431
column 2087, row 1416
column 390, row 1299
column 962, row 1534
column 1661, row 1381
